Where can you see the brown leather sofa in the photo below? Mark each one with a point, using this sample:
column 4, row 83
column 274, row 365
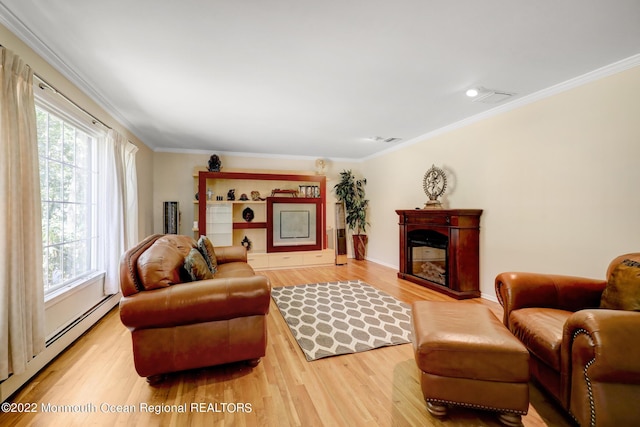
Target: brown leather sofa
column 586, row 357
column 177, row 324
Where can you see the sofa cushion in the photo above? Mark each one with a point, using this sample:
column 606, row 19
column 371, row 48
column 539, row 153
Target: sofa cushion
column 161, row 265
column 234, row 269
column 206, row 248
column 540, row 330
column 623, row 288
column 196, row 266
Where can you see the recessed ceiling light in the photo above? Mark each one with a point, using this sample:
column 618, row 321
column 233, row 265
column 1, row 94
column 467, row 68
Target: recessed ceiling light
column 488, row 96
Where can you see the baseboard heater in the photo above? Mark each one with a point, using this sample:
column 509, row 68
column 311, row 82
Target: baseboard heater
column 57, row 344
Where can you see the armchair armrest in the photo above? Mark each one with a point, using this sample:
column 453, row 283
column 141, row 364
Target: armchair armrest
column 196, row 302
column 607, row 340
column 516, row 290
column 225, row 254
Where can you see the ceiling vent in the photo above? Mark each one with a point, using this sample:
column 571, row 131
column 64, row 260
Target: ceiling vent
column 381, row 138
column 488, row 96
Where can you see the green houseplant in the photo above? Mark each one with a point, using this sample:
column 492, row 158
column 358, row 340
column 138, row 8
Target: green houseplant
column 351, row 192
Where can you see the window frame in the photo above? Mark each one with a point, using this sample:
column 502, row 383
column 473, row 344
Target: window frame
column 55, row 105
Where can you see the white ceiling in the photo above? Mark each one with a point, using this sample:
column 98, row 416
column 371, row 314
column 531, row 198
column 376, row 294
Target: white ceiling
column 314, row 78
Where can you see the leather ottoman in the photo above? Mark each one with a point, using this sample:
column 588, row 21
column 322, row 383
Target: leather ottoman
column 469, row 358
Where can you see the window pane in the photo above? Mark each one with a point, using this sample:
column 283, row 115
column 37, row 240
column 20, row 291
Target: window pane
column 68, row 183
column 69, row 146
column 68, row 187
column 54, row 271
column 68, row 271
column 55, row 138
column 55, row 223
column 55, row 181
column 82, row 142
column 69, row 230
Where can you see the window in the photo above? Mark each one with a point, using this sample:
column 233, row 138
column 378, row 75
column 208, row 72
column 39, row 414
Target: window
column 68, row 185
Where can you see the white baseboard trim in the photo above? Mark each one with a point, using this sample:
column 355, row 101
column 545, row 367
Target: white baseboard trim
column 57, row 345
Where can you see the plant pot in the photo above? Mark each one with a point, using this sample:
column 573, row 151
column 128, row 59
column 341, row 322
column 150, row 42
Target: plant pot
column 359, row 246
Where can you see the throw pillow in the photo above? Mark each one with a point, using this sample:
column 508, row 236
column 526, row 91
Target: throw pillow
column 206, row 248
column 623, row 288
column 196, row 266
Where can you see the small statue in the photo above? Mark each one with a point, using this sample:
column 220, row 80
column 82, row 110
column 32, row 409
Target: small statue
column 246, row 243
column 255, row 196
column 214, row 163
column 247, row 214
column 231, row 194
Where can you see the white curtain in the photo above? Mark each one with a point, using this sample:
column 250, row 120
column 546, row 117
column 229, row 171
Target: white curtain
column 22, row 332
column 120, row 228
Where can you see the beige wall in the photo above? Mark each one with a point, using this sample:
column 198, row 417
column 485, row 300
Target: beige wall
column 144, row 158
column 557, row 180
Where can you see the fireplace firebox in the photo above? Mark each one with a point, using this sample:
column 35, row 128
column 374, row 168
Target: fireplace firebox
column 427, row 254
column 439, row 249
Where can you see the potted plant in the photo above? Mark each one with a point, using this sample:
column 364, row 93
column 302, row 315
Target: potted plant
column 350, row 191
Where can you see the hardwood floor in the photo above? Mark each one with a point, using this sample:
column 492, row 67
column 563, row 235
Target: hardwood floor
column 97, row 380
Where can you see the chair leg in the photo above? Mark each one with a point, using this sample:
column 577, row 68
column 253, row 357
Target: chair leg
column 156, row 379
column 252, row 363
column 509, row 419
column 438, row 410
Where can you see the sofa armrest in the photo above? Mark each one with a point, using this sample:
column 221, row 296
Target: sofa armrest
column 516, row 290
column 197, row 302
column 607, row 341
column 225, row 254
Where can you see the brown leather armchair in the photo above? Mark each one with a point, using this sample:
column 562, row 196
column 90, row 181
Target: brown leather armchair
column 586, row 357
column 178, row 325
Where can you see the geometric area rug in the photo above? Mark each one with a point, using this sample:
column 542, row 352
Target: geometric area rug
column 329, row 319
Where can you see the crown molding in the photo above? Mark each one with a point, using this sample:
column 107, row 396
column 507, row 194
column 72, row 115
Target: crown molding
column 253, row 155
column 600, row 73
column 17, row 27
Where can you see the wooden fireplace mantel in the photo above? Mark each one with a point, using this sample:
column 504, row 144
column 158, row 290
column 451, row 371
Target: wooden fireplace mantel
column 462, row 228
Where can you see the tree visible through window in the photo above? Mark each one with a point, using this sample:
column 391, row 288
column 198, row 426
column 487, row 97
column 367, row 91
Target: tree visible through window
column 68, row 177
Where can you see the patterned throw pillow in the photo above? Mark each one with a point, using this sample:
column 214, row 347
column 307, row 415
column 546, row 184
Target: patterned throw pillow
column 196, row 266
column 206, row 249
column 623, row 289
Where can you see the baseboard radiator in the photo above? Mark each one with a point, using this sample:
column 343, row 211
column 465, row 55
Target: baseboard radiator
column 57, row 344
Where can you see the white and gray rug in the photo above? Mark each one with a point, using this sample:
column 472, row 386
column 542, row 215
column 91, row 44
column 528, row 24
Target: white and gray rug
column 329, row 319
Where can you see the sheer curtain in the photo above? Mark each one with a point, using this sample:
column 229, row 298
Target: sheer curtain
column 22, row 332
column 120, row 227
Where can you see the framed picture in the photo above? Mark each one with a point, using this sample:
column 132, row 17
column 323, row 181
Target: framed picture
column 293, row 224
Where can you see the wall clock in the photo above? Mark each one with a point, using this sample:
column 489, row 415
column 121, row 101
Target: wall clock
column 434, row 184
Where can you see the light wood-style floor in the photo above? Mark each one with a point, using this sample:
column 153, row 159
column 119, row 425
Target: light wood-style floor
column 374, row 388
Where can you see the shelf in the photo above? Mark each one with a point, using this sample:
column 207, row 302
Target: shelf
column 245, row 183
column 235, row 202
column 248, row 225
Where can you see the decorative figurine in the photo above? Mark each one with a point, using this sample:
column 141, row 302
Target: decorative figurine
column 434, row 184
column 246, row 243
column 209, row 194
column 255, row 196
column 214, row 163
column 244, row 197
column 248, row 214
column 231, row 194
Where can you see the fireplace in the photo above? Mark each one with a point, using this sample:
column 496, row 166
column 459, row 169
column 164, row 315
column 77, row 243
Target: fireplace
column 427, row 252
column 439, row 249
